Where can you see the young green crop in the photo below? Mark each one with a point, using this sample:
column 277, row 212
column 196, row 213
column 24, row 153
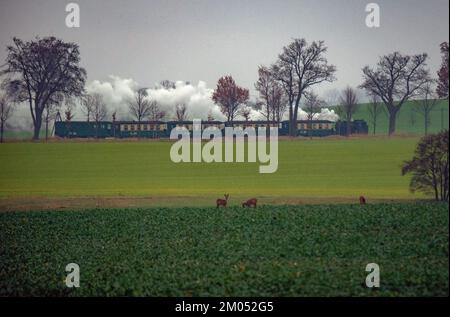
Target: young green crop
column 268, row 251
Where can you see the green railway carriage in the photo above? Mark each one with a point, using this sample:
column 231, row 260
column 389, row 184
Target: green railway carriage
column 143, row 129
column 84, row 129
column 356, row 127
column 161, row 129
column 316, row 128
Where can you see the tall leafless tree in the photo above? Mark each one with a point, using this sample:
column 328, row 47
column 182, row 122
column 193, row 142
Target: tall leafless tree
column 181, row 112
column 86, row 105
column 375, row 108
column 348, row 104
column 299, row 67
column 396, row 79
column 312, row 106
column 139, row 106
column 272, row 104
column 6, row 110
column 427, row 102
column 156, row 113
column 99, row 111
column 40, row 69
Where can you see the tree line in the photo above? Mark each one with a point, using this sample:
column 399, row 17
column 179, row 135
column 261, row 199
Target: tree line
column 45, row 73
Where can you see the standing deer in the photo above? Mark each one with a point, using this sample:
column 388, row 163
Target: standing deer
column 222, row 202
column 362, row 200
column 250, row 203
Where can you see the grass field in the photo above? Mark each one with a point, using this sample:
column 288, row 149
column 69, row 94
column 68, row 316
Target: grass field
column 269, row 251
column 408, row 120
column 334, row 170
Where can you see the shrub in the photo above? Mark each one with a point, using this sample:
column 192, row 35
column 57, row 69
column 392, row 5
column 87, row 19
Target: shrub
column 429, row 166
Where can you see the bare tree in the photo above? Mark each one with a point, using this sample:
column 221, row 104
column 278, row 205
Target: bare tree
column 396, row 79
column 156, row 113
column 299, row 67
column 181, row 112
column 6, row 110
column 375, row 108
column 140, row 106
column 312, row 106
column 348, row 104
column 273, row 103
column 427, row 104
column 99, row 110
column 86, row 105
column 39, row 70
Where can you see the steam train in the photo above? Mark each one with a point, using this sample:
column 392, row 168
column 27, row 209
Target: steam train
column 161, row 129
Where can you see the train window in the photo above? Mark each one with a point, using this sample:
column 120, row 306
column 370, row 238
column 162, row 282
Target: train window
column 132, row 127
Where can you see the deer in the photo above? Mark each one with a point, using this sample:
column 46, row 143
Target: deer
column 362, row 200
column 249, row 203
column 222, row 202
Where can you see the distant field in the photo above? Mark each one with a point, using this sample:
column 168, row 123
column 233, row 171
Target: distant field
column 330, row 169
column 408, row 120
column 269, row 251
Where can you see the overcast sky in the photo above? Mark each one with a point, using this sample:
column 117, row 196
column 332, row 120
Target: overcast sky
column 202, row 40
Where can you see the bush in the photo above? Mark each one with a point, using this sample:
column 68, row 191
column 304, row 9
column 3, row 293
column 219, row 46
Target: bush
column 429, row 166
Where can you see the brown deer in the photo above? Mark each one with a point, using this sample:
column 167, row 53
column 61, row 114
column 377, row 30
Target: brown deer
column 222, row 202
column 250, row 203
column 362, row 200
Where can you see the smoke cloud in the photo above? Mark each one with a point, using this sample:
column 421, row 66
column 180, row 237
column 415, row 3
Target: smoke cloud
column 197, row 98
column 118, row 91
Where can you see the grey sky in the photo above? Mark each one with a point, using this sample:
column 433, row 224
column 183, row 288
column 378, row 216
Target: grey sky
column 205, row 39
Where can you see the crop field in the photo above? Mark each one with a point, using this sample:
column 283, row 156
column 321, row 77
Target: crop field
column 319, row 250
column 326, row 170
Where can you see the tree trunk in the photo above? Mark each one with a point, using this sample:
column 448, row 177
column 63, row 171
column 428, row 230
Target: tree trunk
column 1, row 131
column 290, row 118
column 294, row 122
column 349, row 128
column 392, row 120
column 46, row 129
column 426, row 121
column 37, row 128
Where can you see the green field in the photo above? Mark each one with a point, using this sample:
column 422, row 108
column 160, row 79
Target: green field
column 408, row 120
column 319, row 250
column 324, row 168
